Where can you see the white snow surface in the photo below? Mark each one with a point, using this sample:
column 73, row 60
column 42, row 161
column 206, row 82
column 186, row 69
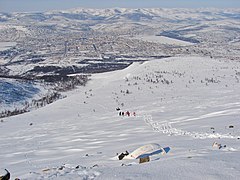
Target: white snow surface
column 192, row 106
column 164, row 40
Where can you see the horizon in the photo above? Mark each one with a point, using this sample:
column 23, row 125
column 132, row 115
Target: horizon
column 10, row 6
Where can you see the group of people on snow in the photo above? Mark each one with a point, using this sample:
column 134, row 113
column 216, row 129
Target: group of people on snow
column 127, row 113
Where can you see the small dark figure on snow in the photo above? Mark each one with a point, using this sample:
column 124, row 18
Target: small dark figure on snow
column 122, row 113
column 128, row 113
column 122, row 155
column 118, row 109
column 6, row 176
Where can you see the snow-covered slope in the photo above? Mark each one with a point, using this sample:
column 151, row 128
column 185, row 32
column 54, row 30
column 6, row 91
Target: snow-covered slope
column 21, row 91
column 184, row 103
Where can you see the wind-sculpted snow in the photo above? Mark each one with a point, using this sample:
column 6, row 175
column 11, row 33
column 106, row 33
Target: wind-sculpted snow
column 67, row 171
column 187, row 104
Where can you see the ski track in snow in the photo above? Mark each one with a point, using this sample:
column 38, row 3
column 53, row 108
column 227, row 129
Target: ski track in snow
column 167, row 128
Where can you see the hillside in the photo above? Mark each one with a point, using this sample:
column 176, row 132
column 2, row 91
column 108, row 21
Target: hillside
column 186, row 103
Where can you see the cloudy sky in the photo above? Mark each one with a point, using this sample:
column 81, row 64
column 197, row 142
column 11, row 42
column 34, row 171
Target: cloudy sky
column 44, row 5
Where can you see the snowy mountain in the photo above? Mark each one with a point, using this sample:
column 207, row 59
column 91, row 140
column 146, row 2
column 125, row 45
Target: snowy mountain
column 184, row 103
column 173, row 73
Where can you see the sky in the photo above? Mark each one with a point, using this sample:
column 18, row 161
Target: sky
column 45, row 5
